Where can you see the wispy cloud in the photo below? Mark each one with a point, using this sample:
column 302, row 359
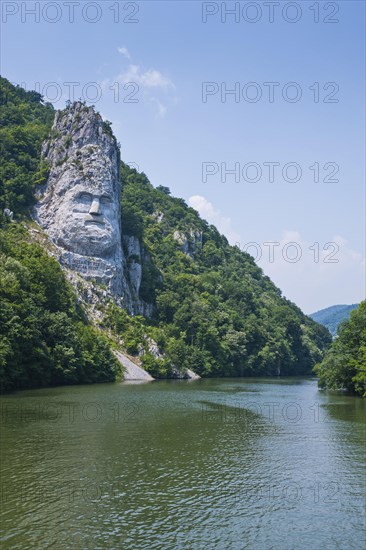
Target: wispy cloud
column 152, row 78
column 207, row 210
column 162, row 109
column 124, row 51
column 152, row 85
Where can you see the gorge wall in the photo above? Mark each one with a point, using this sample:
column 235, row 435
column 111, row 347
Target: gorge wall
column 79, row 206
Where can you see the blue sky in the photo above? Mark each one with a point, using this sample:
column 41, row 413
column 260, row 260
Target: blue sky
column 162, row 60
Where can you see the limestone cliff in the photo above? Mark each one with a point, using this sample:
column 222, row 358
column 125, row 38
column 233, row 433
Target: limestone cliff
column 79, row 207
column 190, row 241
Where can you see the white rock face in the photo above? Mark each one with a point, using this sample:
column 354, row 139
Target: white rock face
column 134, row 260
column 132, row 371
column 79, row 207
column 190, row 242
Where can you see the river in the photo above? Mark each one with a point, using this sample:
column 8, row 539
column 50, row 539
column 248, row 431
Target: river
column 272, row 464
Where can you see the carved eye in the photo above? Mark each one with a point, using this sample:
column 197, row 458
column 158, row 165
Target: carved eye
column 106, row 199
column 85, row 197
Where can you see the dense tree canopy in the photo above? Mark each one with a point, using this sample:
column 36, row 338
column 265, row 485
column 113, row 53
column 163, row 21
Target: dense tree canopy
column 344, row 365
column 24, row 123
column 44, row 337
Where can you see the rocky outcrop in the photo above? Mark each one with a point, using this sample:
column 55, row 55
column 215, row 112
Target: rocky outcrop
column 79, row 207
column 190, row 242
column 131, row 370
column 134, row 261
column 135, row 257
column 186, row 374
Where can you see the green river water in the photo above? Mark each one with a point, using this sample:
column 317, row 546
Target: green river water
column 208, row 464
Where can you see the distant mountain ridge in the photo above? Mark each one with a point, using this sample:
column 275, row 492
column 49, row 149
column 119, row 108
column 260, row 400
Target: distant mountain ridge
column 332, row 316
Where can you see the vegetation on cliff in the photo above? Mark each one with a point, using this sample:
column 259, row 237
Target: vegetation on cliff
column 344, row 365
column 24, row 123
column 215, row 312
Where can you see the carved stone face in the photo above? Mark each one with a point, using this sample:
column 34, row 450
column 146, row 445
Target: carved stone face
column 88, row 219
column 79, row 205
column 81, row 208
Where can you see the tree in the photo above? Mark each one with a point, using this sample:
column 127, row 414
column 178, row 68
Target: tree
column 163, row 189
column 344, row 365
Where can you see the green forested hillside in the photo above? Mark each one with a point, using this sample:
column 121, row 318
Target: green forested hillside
column 217, row 312
column 214, row 310
column 24, row 123
column 332, row 316
column 344, row 365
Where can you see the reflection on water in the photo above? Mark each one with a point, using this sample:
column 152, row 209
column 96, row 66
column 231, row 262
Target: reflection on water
column 235, row 463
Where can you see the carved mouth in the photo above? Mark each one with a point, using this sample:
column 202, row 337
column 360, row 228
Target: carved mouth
column 94, row 222
column 97, row 220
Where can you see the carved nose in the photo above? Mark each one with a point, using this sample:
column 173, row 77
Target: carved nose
column 95, row 207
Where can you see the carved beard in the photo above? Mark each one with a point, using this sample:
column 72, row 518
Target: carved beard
column 81, row 236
